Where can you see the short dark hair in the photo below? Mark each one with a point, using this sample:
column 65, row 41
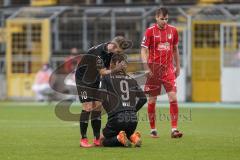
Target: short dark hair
column 162, row 11
column 118, row 58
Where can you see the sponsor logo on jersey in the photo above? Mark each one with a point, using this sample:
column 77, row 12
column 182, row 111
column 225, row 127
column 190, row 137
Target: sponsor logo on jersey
column 163, row 46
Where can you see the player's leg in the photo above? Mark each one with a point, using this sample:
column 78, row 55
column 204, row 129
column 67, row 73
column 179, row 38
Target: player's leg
column 171, row 88
column 153, row 89
column 113, row 137
column 132, row 135
column 152, row 115
column 117, row 141
column 96, row 121
column 110, row 136
column 130, row 122
column 84, row 118
column 173, row 109
column 174, row 115
column 114, row 134
column 85, row 96
column 111, row 142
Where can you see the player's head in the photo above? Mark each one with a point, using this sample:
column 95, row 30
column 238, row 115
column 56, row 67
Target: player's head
column 118, row 58
column 161, row 16
column 119, row 44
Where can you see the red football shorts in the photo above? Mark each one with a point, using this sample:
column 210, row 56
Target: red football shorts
column 161, row 76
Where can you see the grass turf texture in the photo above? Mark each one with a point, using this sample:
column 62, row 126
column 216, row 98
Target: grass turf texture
column 33, row 132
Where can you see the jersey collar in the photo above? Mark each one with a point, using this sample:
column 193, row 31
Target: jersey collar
column 165, row 27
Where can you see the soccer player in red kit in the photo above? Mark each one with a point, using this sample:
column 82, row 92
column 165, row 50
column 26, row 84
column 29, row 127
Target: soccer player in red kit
column 159, row 49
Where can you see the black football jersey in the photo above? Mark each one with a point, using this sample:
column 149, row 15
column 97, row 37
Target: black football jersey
column 96, row 58
column 121, row 93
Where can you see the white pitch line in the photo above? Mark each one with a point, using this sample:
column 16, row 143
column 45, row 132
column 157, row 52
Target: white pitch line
column 159, row 104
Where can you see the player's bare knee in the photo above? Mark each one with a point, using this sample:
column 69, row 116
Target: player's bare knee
column 87, row 106
column 152, row 100
column 97, row 106
column 172, row 97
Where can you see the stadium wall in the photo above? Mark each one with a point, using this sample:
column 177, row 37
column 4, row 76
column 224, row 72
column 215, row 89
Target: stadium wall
column 83, row 27
column 230, row 62
column 230, row 85
column 3, row 84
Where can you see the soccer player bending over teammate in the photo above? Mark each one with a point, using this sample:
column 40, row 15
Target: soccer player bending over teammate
column 93, row 64
column 122, row 100
column 159, row 50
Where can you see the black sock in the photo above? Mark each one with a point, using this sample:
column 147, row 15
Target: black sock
column 96, row 123
column 84, row 117
column 111, row 142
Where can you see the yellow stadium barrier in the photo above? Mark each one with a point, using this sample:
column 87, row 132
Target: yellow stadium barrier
column 43, row 2
column 206, row 61
column 28, row 48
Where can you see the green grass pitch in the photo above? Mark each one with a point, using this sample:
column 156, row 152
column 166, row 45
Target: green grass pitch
column 33, row 132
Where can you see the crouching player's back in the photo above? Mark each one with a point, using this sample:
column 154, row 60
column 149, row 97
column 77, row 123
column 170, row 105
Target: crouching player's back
column 122, row 99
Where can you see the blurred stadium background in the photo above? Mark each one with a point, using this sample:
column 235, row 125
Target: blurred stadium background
column 35, row 32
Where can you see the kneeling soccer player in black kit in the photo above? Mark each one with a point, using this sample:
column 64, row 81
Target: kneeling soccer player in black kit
column 122, row 99
column 92, row 66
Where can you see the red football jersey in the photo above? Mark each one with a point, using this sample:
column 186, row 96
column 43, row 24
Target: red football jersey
column 160, row 43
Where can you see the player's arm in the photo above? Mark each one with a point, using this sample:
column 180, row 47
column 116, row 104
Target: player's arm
column 145, row 50
column 107, row 96
column 144, row 55
column 176, row 54
column 142, row 99
column 105, row 71
column 177, row 60
column 103, row 96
